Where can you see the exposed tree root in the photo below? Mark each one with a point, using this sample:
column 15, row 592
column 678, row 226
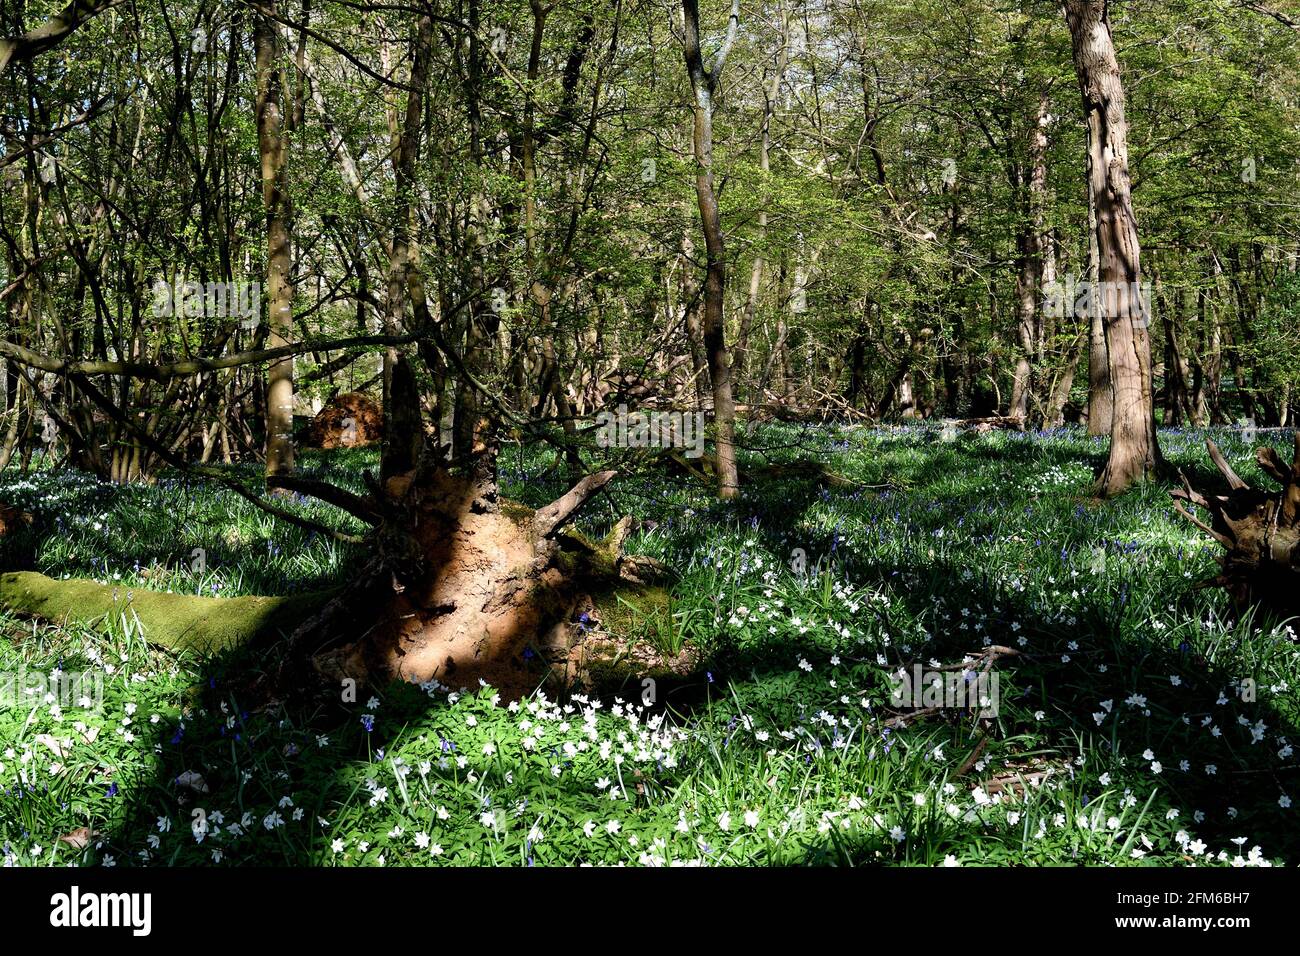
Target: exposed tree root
column 463, row 587
column 1259, row 531
column 349, row 420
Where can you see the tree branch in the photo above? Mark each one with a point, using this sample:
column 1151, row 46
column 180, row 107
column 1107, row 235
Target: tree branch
column 719, row 61
column 194, row 366
column 341, row 498
column 51, row 33
column 550, row 519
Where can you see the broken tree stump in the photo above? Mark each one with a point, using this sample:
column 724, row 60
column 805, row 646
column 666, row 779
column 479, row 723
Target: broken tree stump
column 459, row 585
column 465, row 586
column 1258, row 529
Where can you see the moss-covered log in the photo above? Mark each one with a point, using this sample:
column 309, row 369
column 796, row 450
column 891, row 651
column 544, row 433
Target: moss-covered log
column 176, row 621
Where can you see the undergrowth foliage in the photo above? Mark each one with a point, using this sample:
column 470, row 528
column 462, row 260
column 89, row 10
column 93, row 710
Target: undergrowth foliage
column 1138, row 722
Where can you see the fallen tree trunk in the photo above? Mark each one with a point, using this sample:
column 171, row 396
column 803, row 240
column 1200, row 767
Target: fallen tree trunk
column 987, row 423
column 459, row 585
column 1259, row 531
column 175, row 621
column 704, row 468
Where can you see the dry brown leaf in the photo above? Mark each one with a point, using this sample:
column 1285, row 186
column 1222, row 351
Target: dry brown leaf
column 80, row 838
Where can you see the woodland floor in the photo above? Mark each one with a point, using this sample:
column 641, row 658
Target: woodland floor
column 1121, row 737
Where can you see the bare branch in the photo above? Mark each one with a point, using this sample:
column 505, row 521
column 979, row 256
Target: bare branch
column 719, row 61
column 53, row 32
column 194, row 366
column 550, row 519
column 341, row 498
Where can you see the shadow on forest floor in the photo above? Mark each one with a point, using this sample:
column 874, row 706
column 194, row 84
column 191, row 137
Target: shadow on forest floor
column 1083, row 660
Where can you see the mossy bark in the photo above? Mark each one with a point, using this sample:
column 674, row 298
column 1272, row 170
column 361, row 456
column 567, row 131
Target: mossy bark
column 176, row 621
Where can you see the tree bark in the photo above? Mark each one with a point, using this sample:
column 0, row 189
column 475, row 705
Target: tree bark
column 704, row 83
column 1134, row 451
column 1177, row 371
column 401, row 260
column 275, row 199
column 1029, row 279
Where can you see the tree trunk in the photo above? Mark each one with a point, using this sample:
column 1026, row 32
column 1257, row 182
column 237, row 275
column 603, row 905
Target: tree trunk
column 1177, row 371
column 764, row 170
column 691, row 327
column 1207, row 360
column 1100, row 399
column 704, row 83
column 402, row 252
column 1026, row 306
column 1030, row 276
column 275, row 199
column 1134, row 451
